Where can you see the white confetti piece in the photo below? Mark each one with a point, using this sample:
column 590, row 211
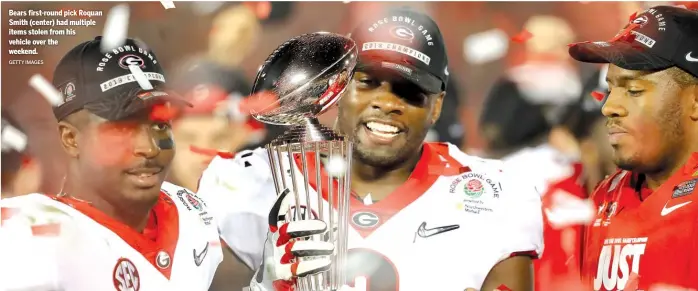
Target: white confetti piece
column 336, row 166
column 140, row 77
column 12, row 138
column 46, row 89
column 115, row 28
column 168, row 4
column 567, row 210
column 485, row 46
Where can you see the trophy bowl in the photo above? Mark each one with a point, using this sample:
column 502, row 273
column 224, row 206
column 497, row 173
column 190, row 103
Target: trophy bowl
column 307, row 74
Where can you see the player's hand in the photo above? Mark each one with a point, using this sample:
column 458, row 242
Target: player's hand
column 286, row 254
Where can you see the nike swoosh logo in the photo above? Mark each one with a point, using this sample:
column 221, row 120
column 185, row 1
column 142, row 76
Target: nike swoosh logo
column 198, row 259
column 425, row 232
column 690, row 58
column 666, row 211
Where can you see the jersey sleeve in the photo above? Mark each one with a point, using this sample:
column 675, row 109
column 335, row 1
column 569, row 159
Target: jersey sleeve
column 523, row 221
column 30, row 245
column 239, row 192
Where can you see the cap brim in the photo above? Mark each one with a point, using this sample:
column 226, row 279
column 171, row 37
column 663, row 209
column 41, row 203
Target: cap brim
column 424, row 80
column 622, row 54
column 126, row 106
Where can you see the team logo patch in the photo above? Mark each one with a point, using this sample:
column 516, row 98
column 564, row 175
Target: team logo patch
column 163, row 260
column 126, row 276
column 194, row 203
column 365, row 219
column 402, row 32
column 131, row 60
column 69, row 91
column 641, row 21
column 684, row 188
column 473, row 188
column 476, row 190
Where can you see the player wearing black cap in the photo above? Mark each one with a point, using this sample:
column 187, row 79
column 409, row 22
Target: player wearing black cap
column 643, row 236
column 115, row 225
column 424, row 216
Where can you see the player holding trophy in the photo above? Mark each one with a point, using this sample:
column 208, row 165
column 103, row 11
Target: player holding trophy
column 421, row 216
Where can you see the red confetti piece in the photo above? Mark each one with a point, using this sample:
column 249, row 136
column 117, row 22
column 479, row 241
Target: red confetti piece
column 632, row 16
column 522, row 36
column 503, row 288
column 52, row 229
column 162, row 112
column 6, row 213
column 599, row 96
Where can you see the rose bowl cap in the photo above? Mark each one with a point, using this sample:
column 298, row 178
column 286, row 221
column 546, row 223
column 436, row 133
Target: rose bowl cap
column 113, row 84
column 406, row 42
column 658, row 38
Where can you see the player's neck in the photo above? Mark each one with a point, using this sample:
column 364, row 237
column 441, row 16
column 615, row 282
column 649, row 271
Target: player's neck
column 656, row 179
column 134, row 215
column 398, row 174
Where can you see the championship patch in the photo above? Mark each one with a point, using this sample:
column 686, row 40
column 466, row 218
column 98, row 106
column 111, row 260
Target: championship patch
column 684, row 188
column 474, row 191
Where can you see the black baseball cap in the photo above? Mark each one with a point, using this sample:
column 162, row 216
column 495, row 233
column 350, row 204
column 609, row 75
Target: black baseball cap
column 658, row 38
column 406, row 42
column 102, row 82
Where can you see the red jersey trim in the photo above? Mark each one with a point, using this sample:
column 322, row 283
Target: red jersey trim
column 422, row 178
column 161, row 232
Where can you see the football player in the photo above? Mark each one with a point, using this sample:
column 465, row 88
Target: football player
column 642, row 237
column 425, row 216
column 115, row 225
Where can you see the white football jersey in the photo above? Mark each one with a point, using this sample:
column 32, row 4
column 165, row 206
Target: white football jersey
column 436, row 232
column 50, row 243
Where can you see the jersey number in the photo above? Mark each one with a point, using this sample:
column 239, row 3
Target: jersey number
column 374, row 271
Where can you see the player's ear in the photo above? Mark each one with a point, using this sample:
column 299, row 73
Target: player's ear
column 692, row 91
column 436, row 109
column 68, row 136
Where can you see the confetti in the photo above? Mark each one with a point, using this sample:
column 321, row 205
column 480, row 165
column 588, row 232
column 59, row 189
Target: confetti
column 49, row 229
column 522, row 36
column 484, row 47
column 115, row 28
column 567, row 210
column 599, row 96
column 46, row 89
column 13, row 138
column 163, row 112
column 336, row 166
column 168, row 4
column 140, row 77
column 503, row 288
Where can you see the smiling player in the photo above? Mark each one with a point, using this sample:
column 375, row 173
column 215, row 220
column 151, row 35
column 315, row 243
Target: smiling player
column 115, row 225
column 414, row 204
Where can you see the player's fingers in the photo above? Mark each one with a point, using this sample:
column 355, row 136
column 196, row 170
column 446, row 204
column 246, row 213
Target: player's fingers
column 282, row 202
column 302, row 269
column 300, row 229
column 309, row 248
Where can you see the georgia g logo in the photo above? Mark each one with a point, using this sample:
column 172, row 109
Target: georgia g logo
column 131, row 60
column 402, row 32
column 126, row 276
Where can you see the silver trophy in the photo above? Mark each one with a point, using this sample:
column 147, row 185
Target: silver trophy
column 309, row 74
